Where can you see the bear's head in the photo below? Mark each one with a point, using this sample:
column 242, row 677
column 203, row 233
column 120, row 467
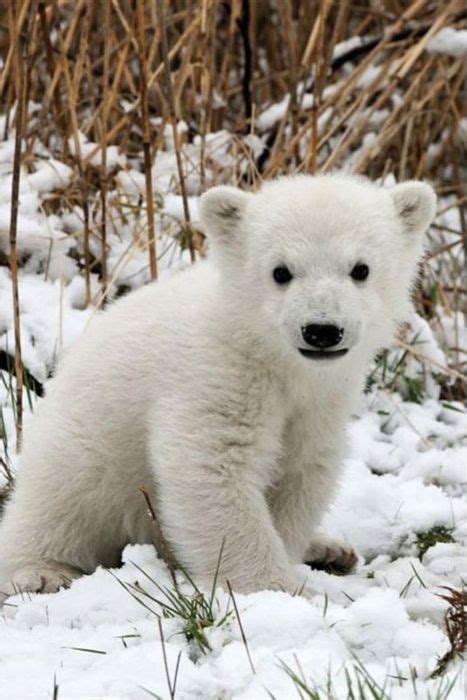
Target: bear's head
column 322, row 266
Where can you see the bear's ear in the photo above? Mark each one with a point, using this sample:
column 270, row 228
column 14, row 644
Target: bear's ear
column 415, row 204
column 221, row 210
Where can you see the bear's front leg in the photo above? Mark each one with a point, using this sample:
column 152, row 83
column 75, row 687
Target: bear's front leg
column 298, row 504
column 310, row 474
column 329, row 553
column 210, row 472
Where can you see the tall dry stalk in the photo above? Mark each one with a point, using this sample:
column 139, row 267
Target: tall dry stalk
column 13, row 256
column 173, row 120
column 104, row 125
column 140, row 33
column 21, row 53
column 72, row 101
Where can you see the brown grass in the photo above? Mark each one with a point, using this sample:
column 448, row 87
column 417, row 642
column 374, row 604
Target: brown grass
column 456, row 628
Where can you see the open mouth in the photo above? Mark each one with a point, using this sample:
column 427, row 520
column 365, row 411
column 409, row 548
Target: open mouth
column 323, row 354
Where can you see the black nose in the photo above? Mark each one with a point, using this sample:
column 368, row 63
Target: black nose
column 322, row 336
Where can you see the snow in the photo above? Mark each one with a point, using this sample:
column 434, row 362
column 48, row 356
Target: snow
column 49, row 175
column 95, row 639
column 392, row 480
column 450, row 41
column 272, row 114
column 86, row 147
column 348, row 45
column 405, row 473
column 275, row 112
column 49, row 323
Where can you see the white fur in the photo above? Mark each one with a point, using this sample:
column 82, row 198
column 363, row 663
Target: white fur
column 195, row 389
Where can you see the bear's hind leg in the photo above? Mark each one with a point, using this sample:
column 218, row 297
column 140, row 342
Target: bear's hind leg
column 52, row 532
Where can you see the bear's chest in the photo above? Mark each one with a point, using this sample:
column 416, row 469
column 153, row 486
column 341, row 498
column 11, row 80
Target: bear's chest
column 313, row 425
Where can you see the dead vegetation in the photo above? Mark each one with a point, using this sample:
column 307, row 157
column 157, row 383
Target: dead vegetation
column 456, row 628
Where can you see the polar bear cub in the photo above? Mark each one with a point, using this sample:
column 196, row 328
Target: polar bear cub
column 224, row 391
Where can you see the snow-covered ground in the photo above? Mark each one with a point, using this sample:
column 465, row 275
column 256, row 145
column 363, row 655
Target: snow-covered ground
column 377, row 633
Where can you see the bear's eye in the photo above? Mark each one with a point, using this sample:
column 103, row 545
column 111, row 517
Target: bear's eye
column 360, row 272
column 282, row 274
